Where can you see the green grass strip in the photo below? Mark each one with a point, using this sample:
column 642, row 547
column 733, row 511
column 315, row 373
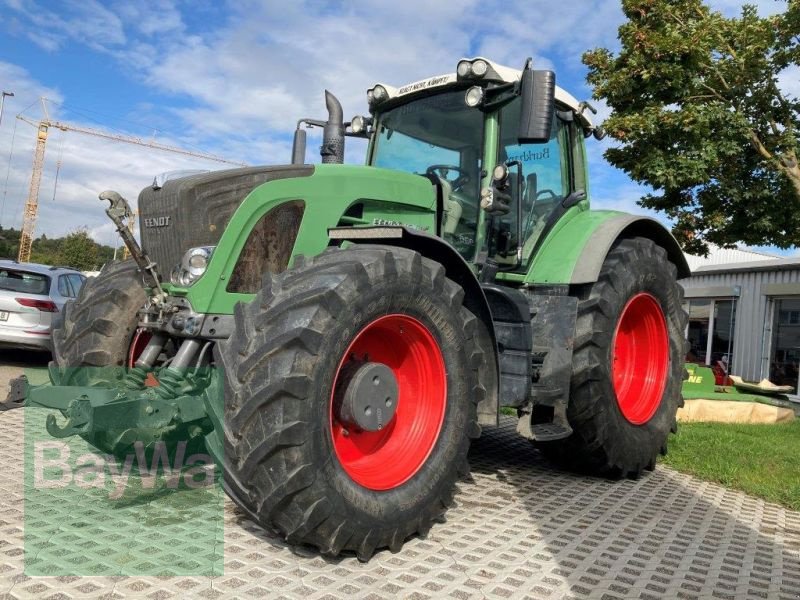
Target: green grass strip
column 761, row 460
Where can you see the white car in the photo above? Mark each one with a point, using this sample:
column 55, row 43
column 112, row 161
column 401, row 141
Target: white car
column 30, row 296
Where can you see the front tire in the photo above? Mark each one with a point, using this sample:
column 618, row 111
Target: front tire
column 98, row 326
column 627, row 364
column 92, row 340
column 290, row 457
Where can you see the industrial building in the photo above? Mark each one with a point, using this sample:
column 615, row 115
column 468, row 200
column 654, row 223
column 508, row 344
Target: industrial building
column 744, row 314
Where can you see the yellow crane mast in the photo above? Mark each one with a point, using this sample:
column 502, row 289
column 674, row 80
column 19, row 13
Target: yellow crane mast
column 31, row 209
column 31, row 205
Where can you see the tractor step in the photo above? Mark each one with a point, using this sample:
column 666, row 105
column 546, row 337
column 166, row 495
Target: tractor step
column 550, row 432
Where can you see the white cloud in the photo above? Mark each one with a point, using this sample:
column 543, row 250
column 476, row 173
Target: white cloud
column 789, row 81
column 151, row 17
column 85, row 21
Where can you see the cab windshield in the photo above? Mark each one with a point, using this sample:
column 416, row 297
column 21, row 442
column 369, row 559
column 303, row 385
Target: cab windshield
column 438, row 135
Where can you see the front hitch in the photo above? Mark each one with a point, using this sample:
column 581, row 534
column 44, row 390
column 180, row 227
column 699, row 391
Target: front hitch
column 114, row 419
column 79, row 419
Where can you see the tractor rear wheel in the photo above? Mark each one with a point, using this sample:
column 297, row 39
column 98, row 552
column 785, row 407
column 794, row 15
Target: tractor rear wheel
column 350, row 393
column 627, row 364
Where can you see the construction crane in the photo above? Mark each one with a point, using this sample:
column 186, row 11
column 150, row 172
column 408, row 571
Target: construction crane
column 31, row 209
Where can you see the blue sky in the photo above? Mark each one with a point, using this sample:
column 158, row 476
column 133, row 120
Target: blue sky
column 233, row 78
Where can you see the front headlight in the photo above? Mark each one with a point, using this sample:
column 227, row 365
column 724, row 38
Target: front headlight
column 193, row 264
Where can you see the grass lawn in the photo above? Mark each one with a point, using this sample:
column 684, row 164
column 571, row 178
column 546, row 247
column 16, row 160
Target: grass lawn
column 761, row 460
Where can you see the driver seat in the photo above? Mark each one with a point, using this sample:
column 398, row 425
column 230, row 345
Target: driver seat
column 451, row 208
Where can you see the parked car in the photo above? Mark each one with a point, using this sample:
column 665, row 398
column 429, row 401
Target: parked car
column 30, row 297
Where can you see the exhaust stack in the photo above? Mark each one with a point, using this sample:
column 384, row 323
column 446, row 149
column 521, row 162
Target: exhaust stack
column 332, row 150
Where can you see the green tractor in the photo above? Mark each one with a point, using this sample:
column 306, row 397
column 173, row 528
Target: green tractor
column 337, row 335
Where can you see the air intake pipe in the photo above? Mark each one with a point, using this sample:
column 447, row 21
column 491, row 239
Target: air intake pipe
column 299, row 145
column 332, row 150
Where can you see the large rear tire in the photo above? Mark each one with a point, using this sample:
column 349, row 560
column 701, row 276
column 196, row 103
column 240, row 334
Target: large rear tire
column 291, row 456
column 627, row 364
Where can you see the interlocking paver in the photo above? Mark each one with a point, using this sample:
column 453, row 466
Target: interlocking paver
column 521, row 529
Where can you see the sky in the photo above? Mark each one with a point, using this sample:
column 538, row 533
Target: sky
column 232, row 78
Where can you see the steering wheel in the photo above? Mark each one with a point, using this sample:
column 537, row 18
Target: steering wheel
column 533, row 216
column 442, row 171
column 530, row 204
column 550, row 193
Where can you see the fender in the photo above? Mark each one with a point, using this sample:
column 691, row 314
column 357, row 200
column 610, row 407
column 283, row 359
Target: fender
column 574, row 251
column 587, row 270
column 458, row 270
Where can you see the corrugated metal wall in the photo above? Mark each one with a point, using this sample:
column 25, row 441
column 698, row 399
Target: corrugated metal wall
column 752, row 330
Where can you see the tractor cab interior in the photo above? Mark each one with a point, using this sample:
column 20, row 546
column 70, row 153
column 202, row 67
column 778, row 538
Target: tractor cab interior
column 438, row 135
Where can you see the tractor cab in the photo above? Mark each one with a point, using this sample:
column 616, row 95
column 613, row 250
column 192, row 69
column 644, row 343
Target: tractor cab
column 464, row 130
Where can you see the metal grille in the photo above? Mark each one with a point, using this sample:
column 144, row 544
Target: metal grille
column 194, row 211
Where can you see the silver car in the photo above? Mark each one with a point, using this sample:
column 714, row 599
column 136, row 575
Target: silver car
column 30, row 296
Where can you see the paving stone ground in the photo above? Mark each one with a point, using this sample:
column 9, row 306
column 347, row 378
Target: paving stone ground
column 521, row 529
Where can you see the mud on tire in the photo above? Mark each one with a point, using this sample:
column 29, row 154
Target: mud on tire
column 273, row 435
column 604, row 442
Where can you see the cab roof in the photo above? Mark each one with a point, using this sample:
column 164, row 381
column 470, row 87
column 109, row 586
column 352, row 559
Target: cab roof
column 497, row 73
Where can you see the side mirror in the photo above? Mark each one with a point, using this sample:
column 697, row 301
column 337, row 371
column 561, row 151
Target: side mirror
column 538, row 91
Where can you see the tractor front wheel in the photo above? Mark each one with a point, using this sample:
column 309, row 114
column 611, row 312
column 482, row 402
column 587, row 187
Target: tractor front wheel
column 93, row 336
column 627, row 365
column 97, row 328
column 350, row 393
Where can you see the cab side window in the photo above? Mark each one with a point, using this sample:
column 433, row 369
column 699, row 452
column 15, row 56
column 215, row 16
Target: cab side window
column 541, row 166
column 546, row 177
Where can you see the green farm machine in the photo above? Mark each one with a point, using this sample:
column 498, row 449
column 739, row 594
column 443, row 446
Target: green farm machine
column 335, row 335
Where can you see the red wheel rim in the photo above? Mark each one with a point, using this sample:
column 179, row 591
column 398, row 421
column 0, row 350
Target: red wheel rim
column 386, row 459
column 640, row 358
column 139, row 342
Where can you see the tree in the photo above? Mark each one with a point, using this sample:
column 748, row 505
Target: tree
column 699, row 116
column 79, row 250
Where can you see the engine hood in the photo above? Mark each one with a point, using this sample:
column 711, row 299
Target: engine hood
column 195, row 210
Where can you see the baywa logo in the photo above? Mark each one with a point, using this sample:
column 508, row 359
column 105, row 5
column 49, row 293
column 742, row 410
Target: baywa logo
column 56, row 466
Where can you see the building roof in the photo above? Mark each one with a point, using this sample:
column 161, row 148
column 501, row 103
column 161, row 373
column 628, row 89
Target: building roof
column 722, row 256
column 774, row 264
